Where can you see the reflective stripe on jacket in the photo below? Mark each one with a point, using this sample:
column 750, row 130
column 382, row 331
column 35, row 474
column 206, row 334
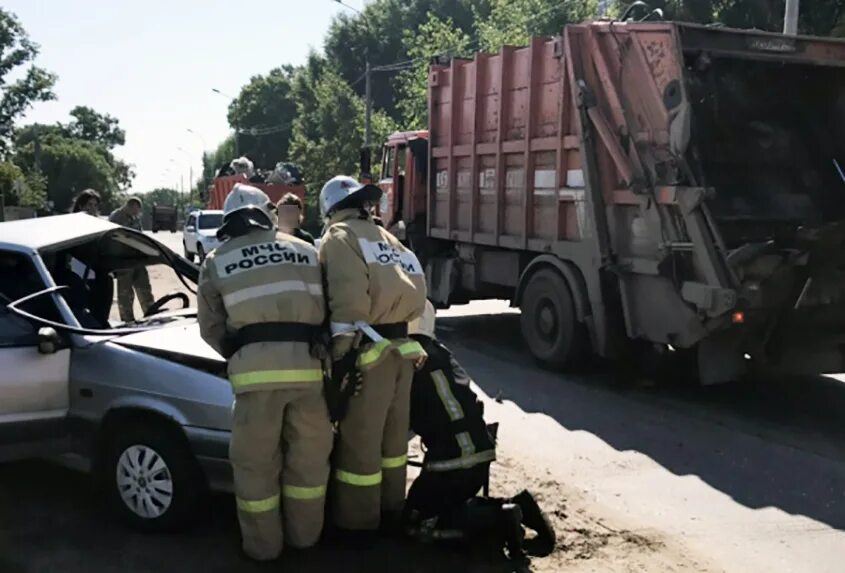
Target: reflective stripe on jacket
column 373, row 279
column 446, row 413
column 257, row 278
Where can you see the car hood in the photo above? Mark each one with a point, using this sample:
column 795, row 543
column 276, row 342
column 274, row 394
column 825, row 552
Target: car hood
column 181, row 343
column 209, row 233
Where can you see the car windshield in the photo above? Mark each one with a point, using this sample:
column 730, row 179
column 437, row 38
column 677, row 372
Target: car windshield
column 146, row 274
column 210, row 221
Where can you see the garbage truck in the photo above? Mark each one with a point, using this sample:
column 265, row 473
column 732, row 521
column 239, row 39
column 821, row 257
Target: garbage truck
column 639, row 187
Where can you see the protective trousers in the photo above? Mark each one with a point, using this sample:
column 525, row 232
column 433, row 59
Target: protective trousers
column 129, row 283
column 372, row 450
column 436, row 493
column 280, row 437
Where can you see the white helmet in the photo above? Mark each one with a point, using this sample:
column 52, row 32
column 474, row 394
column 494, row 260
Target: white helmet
column 248, row 197
column 339, row 189
column 424, row 324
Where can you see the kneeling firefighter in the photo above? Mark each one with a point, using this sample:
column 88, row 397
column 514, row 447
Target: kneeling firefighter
column 260, row 305
column 375, row 286
column 442, row 502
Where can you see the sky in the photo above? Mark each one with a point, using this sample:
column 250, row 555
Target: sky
column 153, row 64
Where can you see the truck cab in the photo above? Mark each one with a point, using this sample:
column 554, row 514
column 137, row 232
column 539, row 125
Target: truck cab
column 404, row 180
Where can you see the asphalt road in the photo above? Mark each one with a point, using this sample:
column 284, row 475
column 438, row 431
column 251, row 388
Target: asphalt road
column 744, row 477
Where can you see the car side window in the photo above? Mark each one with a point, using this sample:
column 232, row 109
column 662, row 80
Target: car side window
column 16, row 331
column 192, row 221
column 18, row 278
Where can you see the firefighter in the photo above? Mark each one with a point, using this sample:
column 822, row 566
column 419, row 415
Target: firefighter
column 443, row 502
column 374, row 287
column 260, row 305
column 135, row 280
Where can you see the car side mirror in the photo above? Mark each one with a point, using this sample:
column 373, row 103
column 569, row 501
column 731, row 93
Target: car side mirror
column 190, row 228
column 49, row 340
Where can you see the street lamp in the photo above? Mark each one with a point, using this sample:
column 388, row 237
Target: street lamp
column 368, row 108
column 200, row 137
column 190, row 172
column 237, row 125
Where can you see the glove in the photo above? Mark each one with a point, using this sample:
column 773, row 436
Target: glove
column 344, row 383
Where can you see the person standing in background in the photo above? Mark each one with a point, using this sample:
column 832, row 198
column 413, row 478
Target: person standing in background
column 87, row 201
column 134, row 280
column 291, row 213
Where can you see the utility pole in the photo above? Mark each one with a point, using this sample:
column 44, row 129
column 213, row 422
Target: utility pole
column 368, row 113
column 790, row 18
column 368, row 103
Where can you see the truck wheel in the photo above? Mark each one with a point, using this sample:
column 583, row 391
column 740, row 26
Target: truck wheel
column 200, row 252
column 549, row 326
column 151, row 478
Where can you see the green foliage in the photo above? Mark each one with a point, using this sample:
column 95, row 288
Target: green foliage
column 71, row 165
column 31, row 83
column 95, row 127
column 379, row 35
column 9, row 174
column 513, row 22
column 817, row 17
column 212, row 162
column 329, row 129
column 74, row 157
column 266, row 106
column 20, row 189
column 436, row 37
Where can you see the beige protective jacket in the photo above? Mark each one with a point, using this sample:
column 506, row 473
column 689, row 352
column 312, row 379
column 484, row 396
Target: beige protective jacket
column 371, row 278
column 257, row 278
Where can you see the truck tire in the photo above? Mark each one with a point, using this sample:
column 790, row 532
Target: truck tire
column 549, row 324
column 152, row 480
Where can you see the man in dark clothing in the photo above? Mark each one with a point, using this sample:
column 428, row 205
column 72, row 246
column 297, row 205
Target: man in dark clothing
column 442, row 502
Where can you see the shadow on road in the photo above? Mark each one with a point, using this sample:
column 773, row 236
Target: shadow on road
column 766, row 444
column 51, row 521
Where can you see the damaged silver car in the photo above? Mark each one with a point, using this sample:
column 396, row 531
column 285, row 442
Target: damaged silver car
column 144, row 406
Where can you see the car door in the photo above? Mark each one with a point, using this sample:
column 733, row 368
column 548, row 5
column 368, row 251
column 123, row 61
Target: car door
column 34, row 385
column 190, row 234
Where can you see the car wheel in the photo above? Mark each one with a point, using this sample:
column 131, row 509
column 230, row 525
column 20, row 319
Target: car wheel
column 548, row 321
column 153, row 480
column 200, row 252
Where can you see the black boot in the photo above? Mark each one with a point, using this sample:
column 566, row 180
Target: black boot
column 510, row 522
column 534, row 518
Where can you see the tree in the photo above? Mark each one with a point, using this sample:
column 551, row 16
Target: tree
column 71, row 165
column 378, row 36
column 817, row 17
column 33, row 84
column 265, row 107
column 329, row 129
column 95, row 127
column 213, row 161
column 513, row 22
column 435, row 37
column 75, row 156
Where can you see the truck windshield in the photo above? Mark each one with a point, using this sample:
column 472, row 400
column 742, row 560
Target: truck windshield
column 210, row 221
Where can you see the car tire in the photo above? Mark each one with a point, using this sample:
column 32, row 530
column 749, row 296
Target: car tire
column 200, row 252
column 152, row 479
column 549, row 324
column 188, row 254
